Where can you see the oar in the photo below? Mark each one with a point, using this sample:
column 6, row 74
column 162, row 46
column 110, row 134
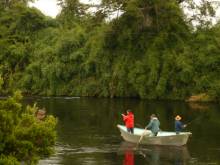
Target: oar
column 141, row 137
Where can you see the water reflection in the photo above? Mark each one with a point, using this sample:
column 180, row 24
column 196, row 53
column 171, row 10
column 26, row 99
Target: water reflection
column 128, row 150
column 154, row 155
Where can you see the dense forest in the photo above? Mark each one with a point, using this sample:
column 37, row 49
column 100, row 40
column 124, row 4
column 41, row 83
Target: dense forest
column 150, row 49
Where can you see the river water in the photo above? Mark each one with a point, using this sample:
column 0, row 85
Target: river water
column 87, row 132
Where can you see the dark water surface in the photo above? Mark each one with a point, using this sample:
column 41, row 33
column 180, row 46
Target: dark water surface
column 87, row 132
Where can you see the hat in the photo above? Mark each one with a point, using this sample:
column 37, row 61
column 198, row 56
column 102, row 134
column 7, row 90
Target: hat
column 178, row 117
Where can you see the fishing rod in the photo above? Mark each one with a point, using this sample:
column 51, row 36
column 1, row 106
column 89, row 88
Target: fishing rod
column 192, row 121
column 139, row 125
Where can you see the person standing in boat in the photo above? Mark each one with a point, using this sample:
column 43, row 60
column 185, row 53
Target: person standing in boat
column 129, row 121
column 178, row 124
column 153, row 125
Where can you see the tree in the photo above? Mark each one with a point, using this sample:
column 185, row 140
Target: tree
column 6, row 4
column 23, row 136
column 145, row 51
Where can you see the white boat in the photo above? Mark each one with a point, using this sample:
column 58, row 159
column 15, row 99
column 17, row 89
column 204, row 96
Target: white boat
column 162, row 138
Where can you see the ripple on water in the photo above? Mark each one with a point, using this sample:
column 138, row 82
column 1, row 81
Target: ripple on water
column 62, row 150
column 69, row 150
column 55, row 159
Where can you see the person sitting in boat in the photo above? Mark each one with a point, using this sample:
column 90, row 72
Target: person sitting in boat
column 153, row 125
column 178, row 124
column 129, row 121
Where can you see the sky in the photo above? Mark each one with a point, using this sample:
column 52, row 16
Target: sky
column 50, row 7
column 47, row 7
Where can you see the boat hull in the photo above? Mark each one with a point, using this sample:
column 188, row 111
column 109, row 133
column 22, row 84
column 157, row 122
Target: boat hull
column 163, row 138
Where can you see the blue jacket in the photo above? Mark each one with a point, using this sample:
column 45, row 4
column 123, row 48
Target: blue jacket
column 178, row 126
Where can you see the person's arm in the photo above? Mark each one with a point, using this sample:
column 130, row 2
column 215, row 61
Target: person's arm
column 180, row 125
column 149, row 125
column 124, row 117
column 184, row 125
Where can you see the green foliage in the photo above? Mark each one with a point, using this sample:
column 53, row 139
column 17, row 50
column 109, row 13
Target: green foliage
column 18, row 24
column 8, row 160
column 1, row 83
column 23, row 136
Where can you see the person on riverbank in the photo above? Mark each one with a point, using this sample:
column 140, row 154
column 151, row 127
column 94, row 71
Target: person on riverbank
column 40, row 114
column 129, row 121
column 153, row 125
column 179, row 126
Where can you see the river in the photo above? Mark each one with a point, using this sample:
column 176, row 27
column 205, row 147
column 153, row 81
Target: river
column 87, row 132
